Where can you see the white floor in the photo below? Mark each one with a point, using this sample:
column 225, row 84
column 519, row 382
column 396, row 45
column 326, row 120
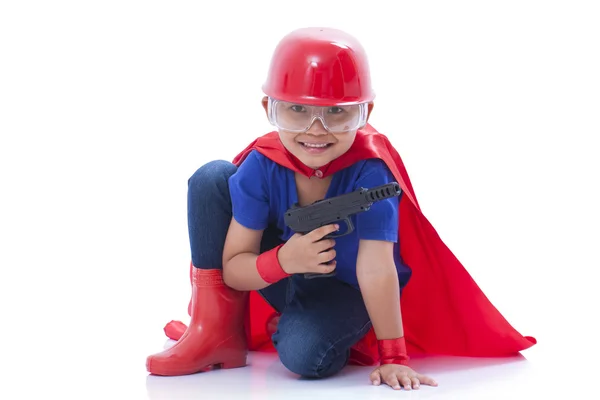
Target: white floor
column 102, row 373
column 109, row 364
column 266, row 379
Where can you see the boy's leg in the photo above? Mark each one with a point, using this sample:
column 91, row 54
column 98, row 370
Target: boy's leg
column 216, row 310
column 209, row 213
column 209, row 216
column 323, row 320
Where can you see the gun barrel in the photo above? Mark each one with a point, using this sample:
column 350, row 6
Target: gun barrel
column 382, row 192
column 339, row 208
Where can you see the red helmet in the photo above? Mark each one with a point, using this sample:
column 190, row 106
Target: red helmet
column 319, row 66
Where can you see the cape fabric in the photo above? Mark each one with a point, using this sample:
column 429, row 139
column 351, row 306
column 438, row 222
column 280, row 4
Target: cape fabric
column 444, row 311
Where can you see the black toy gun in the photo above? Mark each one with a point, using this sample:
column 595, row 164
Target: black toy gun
column 336, row 209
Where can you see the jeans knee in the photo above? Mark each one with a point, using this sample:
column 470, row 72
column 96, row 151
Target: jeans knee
column 308, row 355
column 212, row 176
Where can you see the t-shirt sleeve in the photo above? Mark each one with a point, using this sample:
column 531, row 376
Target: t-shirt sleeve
column 380, row 222
column 249, row 193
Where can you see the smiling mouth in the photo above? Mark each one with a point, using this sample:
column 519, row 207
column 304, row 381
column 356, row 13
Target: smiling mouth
column 316, row 145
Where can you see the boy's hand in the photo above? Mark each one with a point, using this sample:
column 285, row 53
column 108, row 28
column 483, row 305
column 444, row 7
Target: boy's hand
column 398, row 376
column 309, row 253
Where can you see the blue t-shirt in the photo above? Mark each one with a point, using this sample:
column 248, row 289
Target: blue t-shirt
column 262, row 191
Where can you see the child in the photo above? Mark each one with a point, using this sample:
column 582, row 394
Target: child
column 318, row 95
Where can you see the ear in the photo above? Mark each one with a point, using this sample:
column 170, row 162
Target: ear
column 265, row 104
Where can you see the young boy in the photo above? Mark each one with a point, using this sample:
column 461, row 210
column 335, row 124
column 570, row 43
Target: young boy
column 319, row 96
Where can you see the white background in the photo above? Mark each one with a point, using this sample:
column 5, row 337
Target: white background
column 107, row 108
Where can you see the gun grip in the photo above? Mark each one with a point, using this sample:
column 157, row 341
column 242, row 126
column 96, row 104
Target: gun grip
column 350, row 229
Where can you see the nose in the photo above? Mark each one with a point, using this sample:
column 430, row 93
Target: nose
column 317, row 128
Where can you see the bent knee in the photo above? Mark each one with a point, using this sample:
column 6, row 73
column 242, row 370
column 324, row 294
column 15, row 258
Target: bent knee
column 212, row 175
column 213, row 171
column 308, row 355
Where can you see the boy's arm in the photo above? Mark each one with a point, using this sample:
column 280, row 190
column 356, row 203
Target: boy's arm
column 241, row 250
column 378, row 281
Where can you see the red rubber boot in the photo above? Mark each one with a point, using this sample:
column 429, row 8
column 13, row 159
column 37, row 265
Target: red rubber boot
column 175, row 329
column 192, row 284
column 216, row 336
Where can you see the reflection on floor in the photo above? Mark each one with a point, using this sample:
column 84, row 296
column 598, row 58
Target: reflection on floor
column 266, row 378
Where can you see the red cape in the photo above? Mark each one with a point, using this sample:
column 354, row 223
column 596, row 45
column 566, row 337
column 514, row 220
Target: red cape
column 443, row 309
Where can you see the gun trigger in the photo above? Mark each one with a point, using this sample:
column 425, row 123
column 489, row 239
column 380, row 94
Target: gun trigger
column 350, row 226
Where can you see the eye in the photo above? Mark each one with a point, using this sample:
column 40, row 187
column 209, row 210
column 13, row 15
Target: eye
column 336, row 110
column 298, row 108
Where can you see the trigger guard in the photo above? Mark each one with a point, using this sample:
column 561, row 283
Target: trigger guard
column 349, row 225
column 350, row 229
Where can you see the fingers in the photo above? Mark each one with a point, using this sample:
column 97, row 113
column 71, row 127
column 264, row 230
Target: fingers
column 405, row 381
column 324, row 244
column 319, row 233
column 425, row 380
column 326, row 256
column 392, row 381
column 399, row 377
column 399, row 381
column 415, row 382
column 375, row 377
column 324, row 268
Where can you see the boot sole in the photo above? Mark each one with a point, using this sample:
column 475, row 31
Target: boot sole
column 155, row 369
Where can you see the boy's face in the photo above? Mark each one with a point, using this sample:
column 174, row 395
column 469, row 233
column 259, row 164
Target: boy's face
column 316, row 146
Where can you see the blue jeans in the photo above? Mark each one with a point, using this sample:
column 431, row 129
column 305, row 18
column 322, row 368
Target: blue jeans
column 321, row 319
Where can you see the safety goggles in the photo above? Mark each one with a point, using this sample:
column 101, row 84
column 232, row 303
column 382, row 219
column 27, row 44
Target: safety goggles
column 299, row 118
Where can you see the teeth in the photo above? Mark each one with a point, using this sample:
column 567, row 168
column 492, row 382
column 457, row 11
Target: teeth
column 315, row 144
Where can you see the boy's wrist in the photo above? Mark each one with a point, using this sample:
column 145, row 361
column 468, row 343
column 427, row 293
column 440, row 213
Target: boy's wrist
column 283, row 259
column 269, row 267
column 393, row 351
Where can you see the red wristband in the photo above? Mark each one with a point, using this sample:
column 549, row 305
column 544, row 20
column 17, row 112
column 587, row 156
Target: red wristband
column 268, row 266
column 393, row 351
